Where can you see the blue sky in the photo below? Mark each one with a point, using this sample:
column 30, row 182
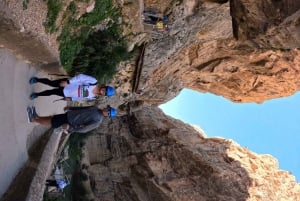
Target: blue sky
column 269, row 128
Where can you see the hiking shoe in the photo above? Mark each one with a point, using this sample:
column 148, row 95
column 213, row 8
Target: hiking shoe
column 33, row 80
column 29, row 115
column 33, row 111
column 33, row 96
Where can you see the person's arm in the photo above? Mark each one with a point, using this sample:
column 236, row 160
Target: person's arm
column 82, row 98
column 76, row 99
column 76, row 108
column 83, row 79
column 64, row 83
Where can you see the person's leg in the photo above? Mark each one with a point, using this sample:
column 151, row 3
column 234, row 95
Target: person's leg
column 53, row 121
column 59, row 120
column 52, row 83
column 43, row 120
column 57, row 91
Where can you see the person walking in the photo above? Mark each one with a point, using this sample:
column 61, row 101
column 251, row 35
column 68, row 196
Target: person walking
column 80, row 87
column 76, row 119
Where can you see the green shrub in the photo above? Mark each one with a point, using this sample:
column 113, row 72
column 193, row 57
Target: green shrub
column 79, row 50
column 25, row 4
column 54, row 7
column 82, row 50
column 101, row 53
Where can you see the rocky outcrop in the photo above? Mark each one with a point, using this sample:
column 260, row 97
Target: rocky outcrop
column 149, row 156
column 202, row 52
column 251, row 19
column 23, row 33
column 246, row 51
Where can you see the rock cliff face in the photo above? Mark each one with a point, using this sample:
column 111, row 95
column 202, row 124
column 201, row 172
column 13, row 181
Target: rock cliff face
column 246, row 51
column 149, row 156
column 243, row 50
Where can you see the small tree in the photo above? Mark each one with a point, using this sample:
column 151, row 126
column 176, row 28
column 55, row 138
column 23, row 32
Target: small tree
column 101, row 53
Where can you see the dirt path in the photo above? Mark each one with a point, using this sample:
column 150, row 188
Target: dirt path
column 16, row 134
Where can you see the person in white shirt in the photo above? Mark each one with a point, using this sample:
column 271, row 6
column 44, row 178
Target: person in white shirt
column 80, row 87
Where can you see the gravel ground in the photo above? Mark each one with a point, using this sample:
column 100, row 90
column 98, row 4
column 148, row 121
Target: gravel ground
column 31, row 20
column 16, row 134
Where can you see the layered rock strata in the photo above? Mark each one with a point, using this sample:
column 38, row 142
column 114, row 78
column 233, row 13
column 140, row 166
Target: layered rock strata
column 243, row 50
column 149, row 156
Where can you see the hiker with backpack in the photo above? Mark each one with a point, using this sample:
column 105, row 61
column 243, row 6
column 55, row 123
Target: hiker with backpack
column 80, row 87
column 158, row 20
column 76, row 119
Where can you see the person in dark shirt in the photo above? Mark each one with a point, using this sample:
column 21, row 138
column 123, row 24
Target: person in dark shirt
column 76, row 119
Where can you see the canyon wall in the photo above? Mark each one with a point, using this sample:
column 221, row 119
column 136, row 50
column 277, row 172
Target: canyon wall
column 244, row 50
column 150, row 156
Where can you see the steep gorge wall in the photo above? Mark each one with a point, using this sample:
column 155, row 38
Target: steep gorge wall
column 246, row 51
column 16, row 35
column 149, row 156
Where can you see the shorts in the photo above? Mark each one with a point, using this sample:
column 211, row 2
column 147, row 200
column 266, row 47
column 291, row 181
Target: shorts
column 58, row 120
